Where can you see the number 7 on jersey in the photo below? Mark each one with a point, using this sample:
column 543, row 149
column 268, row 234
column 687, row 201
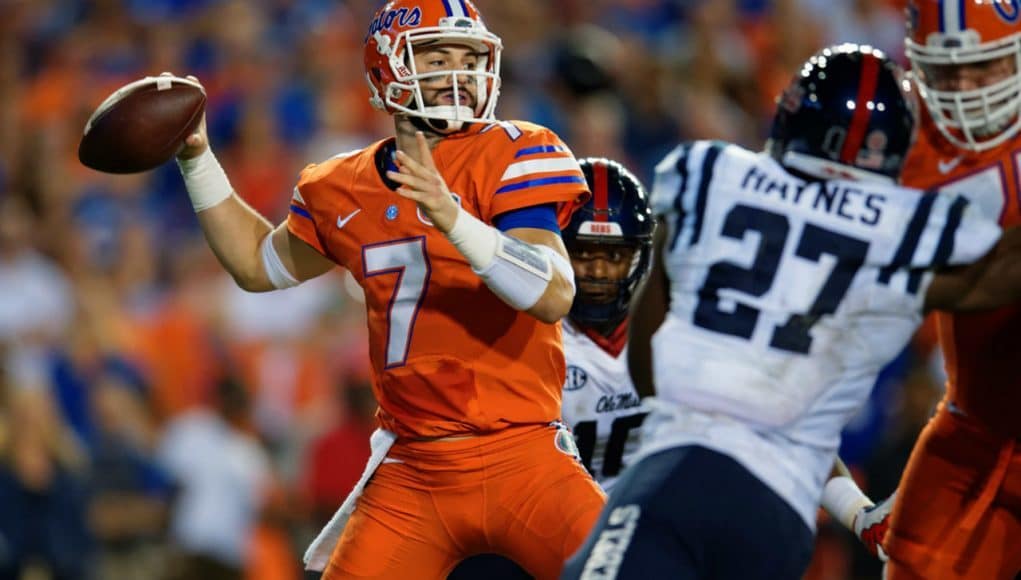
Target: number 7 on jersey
column 407, row 260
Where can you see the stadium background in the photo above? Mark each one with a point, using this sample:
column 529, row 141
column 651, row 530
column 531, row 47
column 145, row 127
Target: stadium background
column 155, row 418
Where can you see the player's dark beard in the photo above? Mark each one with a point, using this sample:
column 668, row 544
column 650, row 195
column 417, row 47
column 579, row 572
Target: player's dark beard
column 598, row 292
column 433, row 126
column 439, row 127
column 605, row 328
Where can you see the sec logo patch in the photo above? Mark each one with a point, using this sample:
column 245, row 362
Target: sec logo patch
column 576, row 378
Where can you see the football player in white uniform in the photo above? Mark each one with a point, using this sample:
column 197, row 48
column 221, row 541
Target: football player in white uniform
column 609, row 241
column 782, row 282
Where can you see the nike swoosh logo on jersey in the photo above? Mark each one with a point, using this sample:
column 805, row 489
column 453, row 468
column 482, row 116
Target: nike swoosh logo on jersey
column 342, row 221
column 948, row 166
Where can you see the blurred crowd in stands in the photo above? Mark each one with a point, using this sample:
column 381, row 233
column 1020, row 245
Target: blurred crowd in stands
column 156, row 422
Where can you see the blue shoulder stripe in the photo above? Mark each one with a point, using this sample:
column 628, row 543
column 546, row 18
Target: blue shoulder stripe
column 301, row 211
column 538, row 149
column 541, row 182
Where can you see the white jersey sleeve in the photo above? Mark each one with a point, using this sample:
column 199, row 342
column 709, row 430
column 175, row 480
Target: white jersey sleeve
column 941, row 230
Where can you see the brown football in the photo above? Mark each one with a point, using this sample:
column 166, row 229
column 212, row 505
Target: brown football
column 142, row 125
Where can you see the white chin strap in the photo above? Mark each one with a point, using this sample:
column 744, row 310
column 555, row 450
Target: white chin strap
column 978, row 120
column 437, row 116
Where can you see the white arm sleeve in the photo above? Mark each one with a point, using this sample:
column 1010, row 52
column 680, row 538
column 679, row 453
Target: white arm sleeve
column 275, row 269
column 516, row 271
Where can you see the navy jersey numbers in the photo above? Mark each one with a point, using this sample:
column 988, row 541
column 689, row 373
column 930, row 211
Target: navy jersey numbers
column 773, row 229
column 613, row 455
column 850, row 254
column 753, row 281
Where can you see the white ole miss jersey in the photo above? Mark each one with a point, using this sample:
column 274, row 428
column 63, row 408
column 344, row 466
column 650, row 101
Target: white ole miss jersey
column 601, row 406
column 787, row 297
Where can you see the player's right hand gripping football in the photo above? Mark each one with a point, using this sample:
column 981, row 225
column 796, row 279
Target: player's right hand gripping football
column 871, row 523
column 196, row 143
column 421, row 181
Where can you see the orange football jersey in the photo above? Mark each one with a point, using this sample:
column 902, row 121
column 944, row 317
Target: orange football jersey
column 448, row 356
column 982, row 350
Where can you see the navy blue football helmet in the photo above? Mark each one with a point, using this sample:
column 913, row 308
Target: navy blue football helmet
column 618, row 214
column 849, row 113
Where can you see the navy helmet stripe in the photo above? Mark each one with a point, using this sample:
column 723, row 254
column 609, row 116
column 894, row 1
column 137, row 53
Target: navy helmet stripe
column 951, row 16
column 456, row 8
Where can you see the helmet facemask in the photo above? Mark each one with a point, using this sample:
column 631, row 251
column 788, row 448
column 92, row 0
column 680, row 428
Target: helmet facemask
column 600, row 313
column 617, row 217
column 976, row 119
column 405, row 94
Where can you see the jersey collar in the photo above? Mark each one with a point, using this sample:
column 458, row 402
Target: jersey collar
column 613, row 343
column 384, row 159
column 387, row 150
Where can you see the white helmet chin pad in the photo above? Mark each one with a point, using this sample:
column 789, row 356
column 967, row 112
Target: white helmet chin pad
column 445, row 118
column 406, row 94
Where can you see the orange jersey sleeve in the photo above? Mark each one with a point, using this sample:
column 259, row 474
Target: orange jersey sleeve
column 989, row 179
column 520, row 164
column 981, row 349
column 448, row 356
column 301, row 217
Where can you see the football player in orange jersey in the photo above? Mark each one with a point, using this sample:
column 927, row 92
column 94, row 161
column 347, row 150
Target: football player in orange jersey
column 958, row 508
column 452, row 228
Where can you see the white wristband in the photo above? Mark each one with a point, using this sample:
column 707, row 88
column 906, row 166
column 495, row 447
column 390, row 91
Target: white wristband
column 562, row 264
column 843, row 500
column 476, row 240
column 205, row 180
column 519, row 273
column 516, row 271
column 275, row 269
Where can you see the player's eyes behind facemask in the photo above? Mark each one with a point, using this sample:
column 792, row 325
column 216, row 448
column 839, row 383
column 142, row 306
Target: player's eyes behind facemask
column 966, row 58
column 602, row 270
column 401, row 30
column 611, row 238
